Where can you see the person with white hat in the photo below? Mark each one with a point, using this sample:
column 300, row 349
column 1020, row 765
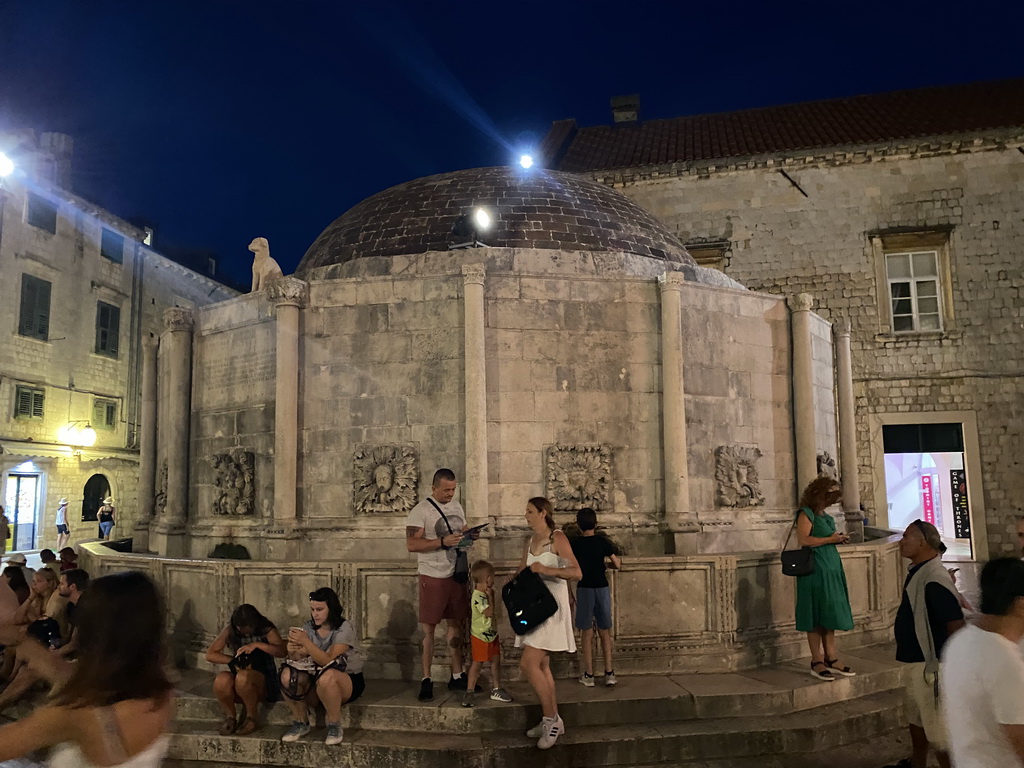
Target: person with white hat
column 17, row 558
column 63, row 532
column 106, row 518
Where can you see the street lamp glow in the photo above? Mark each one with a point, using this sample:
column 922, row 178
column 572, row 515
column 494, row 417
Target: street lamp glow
column 6, row 165
column 526, row 161
column 482, row 218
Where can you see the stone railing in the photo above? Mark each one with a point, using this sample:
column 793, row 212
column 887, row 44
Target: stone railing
column 697, row 613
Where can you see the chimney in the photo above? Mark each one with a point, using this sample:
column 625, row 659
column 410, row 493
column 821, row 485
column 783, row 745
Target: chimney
column 626, row 109
column 57, row 150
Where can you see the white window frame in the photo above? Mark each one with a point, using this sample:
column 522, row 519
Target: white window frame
column 912, row 282
column 935, row 241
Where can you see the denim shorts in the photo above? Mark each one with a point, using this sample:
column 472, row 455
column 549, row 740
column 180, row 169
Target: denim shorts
column 593, row 604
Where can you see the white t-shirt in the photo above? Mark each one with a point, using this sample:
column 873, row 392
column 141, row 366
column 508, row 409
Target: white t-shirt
column 982, row 680
column 62, row 514
column 438, row 563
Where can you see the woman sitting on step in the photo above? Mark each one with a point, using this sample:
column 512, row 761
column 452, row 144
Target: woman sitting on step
column 324, row 665
column 251, row 676
column 117, row 701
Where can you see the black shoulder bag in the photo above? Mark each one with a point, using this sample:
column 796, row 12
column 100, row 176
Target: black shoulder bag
column 797, row 562
column 461, row 574
column 528, row 601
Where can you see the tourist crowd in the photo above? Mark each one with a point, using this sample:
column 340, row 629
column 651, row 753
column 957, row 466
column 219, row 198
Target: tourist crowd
column 964, row 682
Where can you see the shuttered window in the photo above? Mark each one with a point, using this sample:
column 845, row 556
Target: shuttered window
column 28, row 403
column 104, row 414
column 34, row 320
column 108, row 325
column 42, row 213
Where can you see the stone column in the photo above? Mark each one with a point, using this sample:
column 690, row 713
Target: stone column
column 147, row 448
column 803, row 391
column 169, row 537
column 476, row 395
column 679, row 519
column 289, row 296
column 848, row 432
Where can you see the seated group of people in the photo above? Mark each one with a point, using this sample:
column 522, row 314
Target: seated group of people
column 322, row 664
column 37, row 613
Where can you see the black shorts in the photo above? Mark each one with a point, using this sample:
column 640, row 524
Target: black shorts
column 63, row 529
column 358, row 686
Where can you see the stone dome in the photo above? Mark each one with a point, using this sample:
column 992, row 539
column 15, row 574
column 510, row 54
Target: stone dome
column 536, row 209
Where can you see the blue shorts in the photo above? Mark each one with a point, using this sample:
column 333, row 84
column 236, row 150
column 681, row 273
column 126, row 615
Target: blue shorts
column 593, row 604
column 105, row 529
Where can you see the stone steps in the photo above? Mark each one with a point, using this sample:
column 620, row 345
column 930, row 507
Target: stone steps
column 391, row 705
column 668, row 743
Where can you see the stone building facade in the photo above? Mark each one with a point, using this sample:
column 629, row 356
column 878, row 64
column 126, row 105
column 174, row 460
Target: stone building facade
column 839, row 199
column 81, row 290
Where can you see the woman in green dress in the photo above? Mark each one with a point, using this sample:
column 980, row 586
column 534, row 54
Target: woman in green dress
column 822, row 599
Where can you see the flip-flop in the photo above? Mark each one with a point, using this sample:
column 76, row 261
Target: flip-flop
column 228, row 726
column 247, row 727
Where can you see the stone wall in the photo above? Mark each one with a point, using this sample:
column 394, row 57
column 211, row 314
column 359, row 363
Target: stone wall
column 703, row 613
column 823, row 238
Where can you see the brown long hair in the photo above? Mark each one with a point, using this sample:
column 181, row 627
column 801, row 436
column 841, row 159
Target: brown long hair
column 816, row 493
column 120, row 623
column 543, row 505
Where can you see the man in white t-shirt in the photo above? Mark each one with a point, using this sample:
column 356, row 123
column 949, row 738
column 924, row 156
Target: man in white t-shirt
column 983, row 675
column 433, row 530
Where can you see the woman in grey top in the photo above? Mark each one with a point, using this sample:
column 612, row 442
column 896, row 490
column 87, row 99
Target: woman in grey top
column 324, row 665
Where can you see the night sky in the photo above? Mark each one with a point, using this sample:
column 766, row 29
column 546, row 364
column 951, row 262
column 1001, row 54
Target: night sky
column 219, row 121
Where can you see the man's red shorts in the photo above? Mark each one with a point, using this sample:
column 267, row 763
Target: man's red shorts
column 442, row 599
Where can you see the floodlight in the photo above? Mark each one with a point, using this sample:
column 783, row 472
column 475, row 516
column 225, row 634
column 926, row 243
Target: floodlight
column 6, row 165
column 482, row 218
column 526, row 161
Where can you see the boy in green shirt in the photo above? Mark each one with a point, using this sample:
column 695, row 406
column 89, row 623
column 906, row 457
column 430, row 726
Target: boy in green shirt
column 484, row 636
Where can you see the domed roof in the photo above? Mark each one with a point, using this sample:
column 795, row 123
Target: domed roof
column 529, row 209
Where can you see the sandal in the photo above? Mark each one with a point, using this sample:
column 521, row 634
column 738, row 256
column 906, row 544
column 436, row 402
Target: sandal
column 247, row 727
column 228, row 726
column 824, row 674
column 839, row 669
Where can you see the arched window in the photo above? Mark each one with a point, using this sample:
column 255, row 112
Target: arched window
column 97, row 488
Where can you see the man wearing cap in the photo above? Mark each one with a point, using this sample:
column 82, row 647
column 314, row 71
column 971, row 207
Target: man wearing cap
column 927, row 616
column 63, row 532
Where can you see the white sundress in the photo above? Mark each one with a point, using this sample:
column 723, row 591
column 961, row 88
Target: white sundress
column 555, row 634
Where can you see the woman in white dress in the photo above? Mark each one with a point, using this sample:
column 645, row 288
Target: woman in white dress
column 548, row 554
column 118, row 702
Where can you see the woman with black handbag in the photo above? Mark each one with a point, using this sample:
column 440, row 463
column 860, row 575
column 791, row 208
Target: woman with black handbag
column 822, row 597
column 549, row 555
column 251, row 677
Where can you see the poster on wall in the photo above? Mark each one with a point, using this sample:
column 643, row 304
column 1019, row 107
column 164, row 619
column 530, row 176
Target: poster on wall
column 927, row 500
column 961, row 511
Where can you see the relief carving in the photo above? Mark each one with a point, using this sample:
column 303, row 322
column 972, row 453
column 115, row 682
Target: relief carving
column 736, row 480
column 385, row 478
column 827, row 466
column 579, row 476
column 235, row 481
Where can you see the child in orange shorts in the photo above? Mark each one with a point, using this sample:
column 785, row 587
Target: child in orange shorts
column 483, row 634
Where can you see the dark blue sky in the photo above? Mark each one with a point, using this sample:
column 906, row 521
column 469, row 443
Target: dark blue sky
column 219, row 121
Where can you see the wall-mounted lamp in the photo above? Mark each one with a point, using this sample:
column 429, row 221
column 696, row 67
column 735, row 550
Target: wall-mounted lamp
column 78, row 434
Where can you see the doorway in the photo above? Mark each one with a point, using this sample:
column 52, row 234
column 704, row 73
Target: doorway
column 97, row 488
column 926, row 479
column 22, row 504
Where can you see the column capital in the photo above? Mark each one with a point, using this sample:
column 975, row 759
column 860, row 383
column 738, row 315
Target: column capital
column 178, row 319
column 288, row 291
column 473, row 274
column 842, row 326
column 801, row 302
column 671, row 281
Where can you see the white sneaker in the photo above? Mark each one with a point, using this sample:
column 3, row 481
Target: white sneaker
column 296, row 732
column 555, row 728
column 538, row 730
column 587, row 680
column 610, row 679
column 335, row 734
